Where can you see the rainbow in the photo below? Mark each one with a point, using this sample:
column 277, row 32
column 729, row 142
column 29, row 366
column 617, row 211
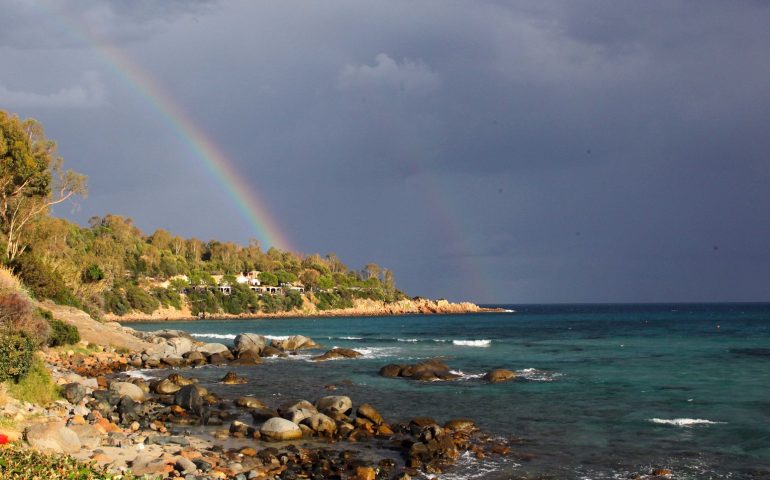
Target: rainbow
column 253, row 209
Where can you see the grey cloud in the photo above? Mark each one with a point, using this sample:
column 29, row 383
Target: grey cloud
column 90, row 94
column 406, row 75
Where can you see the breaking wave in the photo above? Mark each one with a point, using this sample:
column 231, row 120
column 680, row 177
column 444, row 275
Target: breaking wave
column 683, row 422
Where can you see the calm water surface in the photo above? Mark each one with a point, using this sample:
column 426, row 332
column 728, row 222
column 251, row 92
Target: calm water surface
column 604, row 391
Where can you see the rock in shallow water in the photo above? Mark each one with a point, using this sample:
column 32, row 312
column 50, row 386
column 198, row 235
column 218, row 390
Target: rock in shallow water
column 499, row 375
column 279, row 429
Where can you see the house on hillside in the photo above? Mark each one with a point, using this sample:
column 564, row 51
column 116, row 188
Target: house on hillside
column 294, row 287
column 266, row 289
column 241, row 279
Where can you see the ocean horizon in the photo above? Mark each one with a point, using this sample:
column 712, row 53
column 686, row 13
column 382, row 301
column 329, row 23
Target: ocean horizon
column 602, row 390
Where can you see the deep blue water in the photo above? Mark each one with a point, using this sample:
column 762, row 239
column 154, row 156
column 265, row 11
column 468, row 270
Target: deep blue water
column 604, row 390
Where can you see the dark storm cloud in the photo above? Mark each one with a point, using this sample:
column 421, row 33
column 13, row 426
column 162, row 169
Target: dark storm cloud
column 497, row 151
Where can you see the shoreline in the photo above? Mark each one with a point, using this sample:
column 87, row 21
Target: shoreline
column 361, row 308
column 116, row 421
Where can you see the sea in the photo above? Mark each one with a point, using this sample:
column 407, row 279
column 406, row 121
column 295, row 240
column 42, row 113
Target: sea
column 603, row 391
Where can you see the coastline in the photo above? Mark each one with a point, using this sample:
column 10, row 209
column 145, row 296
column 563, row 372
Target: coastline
column 361, row 308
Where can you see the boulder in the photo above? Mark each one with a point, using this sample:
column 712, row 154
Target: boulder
column 499, row 375
column 190, row 399
column 212, row 348
column 460, row 425
column 279, row 429
column 262, row 414
column 321, row 424
column 164, row 387
column 232, row 379
column 52, row 437
column 295, row 342
column 247, row 357
column 126, row 389
column 173, row 360
column 391, row 371
column 89, row 435
column 180, row 345
column 249, row 341
column 73, row 392
column 298, row 411
column 249, row 402
column 334, row 404
column 337, row 353
column 370, row 413
column 177, row 379
column 270, row 351
column 432, row 370
column 195, row 358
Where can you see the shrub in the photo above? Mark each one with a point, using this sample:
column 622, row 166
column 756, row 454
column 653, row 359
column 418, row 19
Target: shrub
column 141, row 300
column 115, row 302
column 62, row 334
column 92, row 273
column 19, row 463
column 36, row 386
column 16, row 353
column 43, row 281
column 17, row 315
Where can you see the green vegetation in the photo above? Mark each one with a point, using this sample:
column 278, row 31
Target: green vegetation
column 16, row 353
column 19, row 463
column 36, row 386
column 111, row 266
column 62, row 334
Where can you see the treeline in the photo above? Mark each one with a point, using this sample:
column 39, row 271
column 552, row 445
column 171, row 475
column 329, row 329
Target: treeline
column 112, row 266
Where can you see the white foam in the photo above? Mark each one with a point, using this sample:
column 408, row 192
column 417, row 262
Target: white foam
column 214, row 335
column 683, row 422
column 349, row 338
column 276, row 337
column 535, row 375
column 143, row 374
column 410, row 340
column 472, row 343
column 507, row 310
column 377, row 352
column 469, row 467
column 466, row 376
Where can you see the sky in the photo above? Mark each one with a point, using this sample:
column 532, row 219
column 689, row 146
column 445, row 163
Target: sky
column 490, row 151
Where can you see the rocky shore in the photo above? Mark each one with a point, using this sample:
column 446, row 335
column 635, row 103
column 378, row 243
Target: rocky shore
column 173, row 428
column 360, row 308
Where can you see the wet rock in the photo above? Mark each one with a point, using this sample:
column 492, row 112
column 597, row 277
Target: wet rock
column 247, row 357
column 279, row 429
column 173, row 361
column 294, row 342
column 337, row 353
column 364, row 473
column 249, row 341
column 321, row 424
column 240, row 429
column 164, row 387
column 261, row 415
column 662, row 472
column 460, row 425
column 212, row 348
column 370, row 413
column 195, row 358
column 334, row 404
column 297, row 411
column 270, row 351
column 185, row 466
column 73, row 392
column 391, row 371
column 249, row 402
column 232, row 379
column 52, row 437
column 217, row 359
column 499, row 375
column 126, row 389
column 190, row 399
column 178, row 379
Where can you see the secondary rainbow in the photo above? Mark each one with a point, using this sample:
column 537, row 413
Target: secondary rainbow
column 251, row 206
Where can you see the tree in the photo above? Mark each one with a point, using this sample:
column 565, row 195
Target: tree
column 371, row 270
column 31, row 179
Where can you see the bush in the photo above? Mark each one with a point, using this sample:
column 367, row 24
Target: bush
column 141, row 300
column 43, row 281
column 115, row 302
column 62, row 334
column 19, row 463
column 36, row 386
column 17, row 315
column 16, row 353
column 92, row 273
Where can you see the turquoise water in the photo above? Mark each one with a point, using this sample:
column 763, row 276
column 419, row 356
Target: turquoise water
column 604, row 390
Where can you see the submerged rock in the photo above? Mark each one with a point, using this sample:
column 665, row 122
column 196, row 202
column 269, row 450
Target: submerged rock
column 232, row 379
column 336, row 353
column 499, row 375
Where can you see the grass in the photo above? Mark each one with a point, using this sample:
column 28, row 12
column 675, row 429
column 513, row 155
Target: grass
column 77, row 349
column 18, row 463
column 36, row 387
